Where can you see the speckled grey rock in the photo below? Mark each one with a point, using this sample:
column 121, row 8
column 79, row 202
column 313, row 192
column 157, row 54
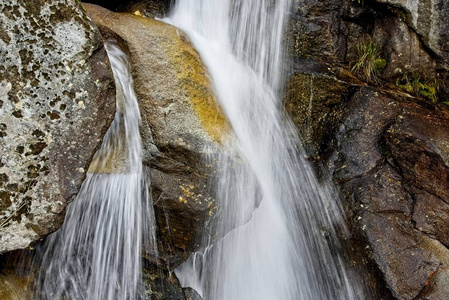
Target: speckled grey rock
column 56, row 101
column 429, row 19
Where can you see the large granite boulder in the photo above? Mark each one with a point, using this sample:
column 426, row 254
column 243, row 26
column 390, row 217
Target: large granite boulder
column 56, row 102
column 181, row 122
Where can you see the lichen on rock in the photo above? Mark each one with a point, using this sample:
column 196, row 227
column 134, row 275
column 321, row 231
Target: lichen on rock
column 51, row 63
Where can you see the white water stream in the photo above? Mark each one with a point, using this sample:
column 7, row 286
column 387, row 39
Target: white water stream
column 276, row 237
column 97, row 252
column 275, row 234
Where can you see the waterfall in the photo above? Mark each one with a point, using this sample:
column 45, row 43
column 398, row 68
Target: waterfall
column 275, row 236
column 96, row 254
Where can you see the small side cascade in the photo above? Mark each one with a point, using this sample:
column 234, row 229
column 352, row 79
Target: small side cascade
column 96, row 254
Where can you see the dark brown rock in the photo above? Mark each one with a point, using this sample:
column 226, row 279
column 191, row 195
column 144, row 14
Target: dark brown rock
column 418, row 143
column 403, row 49
column 386, row 151
column 398, row 252
column 180, row 209
column 161, row 285
column 360, row 133
column 314, row 28
column 380, row 191
column 431, row 215
column 17, row 275
column 330, row 31
column 379, row 200
column 147, row 8
column 313, row 108
column 388, row 158
column 191, row 294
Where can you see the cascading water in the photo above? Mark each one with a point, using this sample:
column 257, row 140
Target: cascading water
column 96, row 253
column 275, row 233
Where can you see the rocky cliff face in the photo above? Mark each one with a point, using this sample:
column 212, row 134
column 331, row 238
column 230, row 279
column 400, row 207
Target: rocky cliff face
column 56, row 102
column 385, row 149
column 410, row 35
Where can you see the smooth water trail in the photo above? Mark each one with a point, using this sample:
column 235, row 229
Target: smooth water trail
column 96, row 254
column 276, row 236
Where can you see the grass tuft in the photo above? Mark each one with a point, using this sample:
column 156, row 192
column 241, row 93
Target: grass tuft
column 368, row 63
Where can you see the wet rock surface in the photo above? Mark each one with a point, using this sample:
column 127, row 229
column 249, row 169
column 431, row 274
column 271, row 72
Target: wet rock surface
column 331, row 31
column 389, row 162
column 161, row 284
column 418, row 143
column 150, row 9
column 16, row 275
column 385, row 150
column 381, row 196
column 191, row 294
column 180, row 125
column 303, row 90
column 56, row 102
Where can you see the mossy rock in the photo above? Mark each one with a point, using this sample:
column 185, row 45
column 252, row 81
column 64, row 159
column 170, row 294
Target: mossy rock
column 316, row 111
